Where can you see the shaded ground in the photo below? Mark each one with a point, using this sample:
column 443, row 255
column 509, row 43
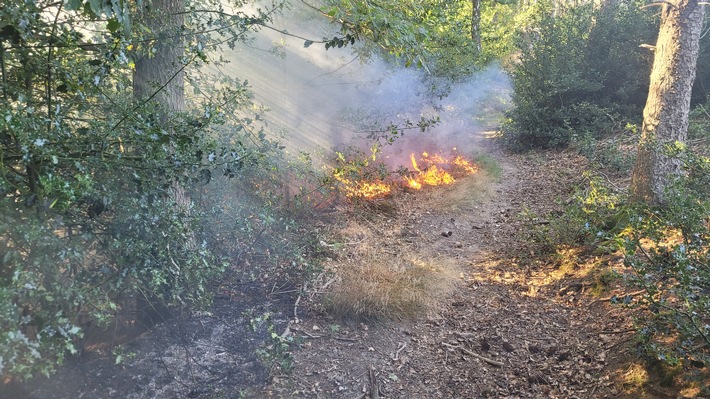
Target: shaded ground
column 199, row 355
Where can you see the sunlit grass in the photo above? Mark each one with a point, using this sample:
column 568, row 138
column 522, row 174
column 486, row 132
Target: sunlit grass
column 382, row 285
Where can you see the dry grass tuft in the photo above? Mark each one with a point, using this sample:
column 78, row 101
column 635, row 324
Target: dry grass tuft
column 465, row 193
column 385, row 286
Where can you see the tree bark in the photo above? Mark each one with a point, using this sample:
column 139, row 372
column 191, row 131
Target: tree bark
column 160, row 70
column 665, row 117
column 476, row 23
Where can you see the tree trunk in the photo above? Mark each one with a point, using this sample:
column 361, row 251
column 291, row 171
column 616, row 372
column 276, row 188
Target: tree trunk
column 159, row 77
column 665, row 117
column 161, row 71
column 476, row 23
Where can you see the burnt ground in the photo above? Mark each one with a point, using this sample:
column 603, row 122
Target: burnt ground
column 198, row 355
column 512, row 325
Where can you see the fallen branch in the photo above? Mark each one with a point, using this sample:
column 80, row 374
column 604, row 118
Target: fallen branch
column 374, row 386
column 609, row 298
column 306, row 333
column 401, row 348
column 476, row 355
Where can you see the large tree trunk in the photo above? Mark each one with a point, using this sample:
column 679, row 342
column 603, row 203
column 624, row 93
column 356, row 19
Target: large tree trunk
column 665, row 117
column 159, row 77
column 161, row 71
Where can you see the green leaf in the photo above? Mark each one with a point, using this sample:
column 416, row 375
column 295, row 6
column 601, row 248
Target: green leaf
column 113, row 25
column 74, row 4
column 96, row 6
column 307, row 43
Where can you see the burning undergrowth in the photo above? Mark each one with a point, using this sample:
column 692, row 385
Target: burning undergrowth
column 360, row 176
column 380, row 271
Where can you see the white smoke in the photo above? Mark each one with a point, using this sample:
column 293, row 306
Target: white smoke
column 329, row 99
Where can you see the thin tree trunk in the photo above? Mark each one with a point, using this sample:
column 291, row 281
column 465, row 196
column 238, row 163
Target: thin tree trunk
column 476, row 23
column 665, row 117
column 159, row 72
column 159, row 77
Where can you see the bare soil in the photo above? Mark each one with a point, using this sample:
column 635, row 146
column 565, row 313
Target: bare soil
column 512, row 326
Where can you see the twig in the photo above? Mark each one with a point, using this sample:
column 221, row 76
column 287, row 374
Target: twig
column 617, row 332
column 617, row 188
column 374, row 386
column 295, row 307
column 704, row 111
column 657, row 3
column 607, row 299
column 476, row 355
column 401, row 348
column 344, row 339
column 306, row 333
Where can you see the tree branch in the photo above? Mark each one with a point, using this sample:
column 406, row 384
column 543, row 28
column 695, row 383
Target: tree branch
column 658, row 3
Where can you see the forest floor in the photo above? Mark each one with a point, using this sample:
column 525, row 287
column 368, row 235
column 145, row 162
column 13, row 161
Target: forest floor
column 492, row 316
column 513, row 325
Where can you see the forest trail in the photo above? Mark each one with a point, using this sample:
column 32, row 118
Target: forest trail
column 494, row 322
column 509, row 328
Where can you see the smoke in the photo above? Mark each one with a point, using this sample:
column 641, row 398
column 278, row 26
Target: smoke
column 323, row 100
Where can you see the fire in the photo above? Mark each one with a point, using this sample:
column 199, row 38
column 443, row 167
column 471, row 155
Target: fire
column 364, row 189
column 467, row 167
column 439, row 170
column 429, row 170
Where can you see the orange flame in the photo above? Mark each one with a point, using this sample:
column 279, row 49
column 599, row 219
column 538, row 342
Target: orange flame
column 467, row 167
column 436, row 174
column 435, row 171
column 364, row 189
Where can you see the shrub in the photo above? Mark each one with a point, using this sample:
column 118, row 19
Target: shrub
column 668, row 251
column 571, row 81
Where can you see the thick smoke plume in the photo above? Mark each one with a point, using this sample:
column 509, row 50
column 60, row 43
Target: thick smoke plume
column 324, row 100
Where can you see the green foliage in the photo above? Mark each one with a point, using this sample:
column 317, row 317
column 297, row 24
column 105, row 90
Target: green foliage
column 572, row 79
column 699, row 124
column 432, row 35
column 668, row 251
column 92, row 182
column 275, row 355
column 592, row 212
column 615, row 154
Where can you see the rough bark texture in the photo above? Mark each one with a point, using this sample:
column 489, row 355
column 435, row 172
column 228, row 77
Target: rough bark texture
column 476, row 23
column 161, row 71
column 665, row 117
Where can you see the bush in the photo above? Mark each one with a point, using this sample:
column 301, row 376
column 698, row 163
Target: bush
column 93, row 182
column 668, row 251
column 573, row 80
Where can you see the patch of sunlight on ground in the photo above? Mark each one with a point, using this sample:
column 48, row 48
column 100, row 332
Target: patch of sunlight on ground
column 635, row 377
column 571, row 265
column 491, row 134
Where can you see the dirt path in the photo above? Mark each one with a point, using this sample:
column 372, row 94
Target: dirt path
column 508, row 330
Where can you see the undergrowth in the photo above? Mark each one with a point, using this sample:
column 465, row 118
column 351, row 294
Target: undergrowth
column 665, row 256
